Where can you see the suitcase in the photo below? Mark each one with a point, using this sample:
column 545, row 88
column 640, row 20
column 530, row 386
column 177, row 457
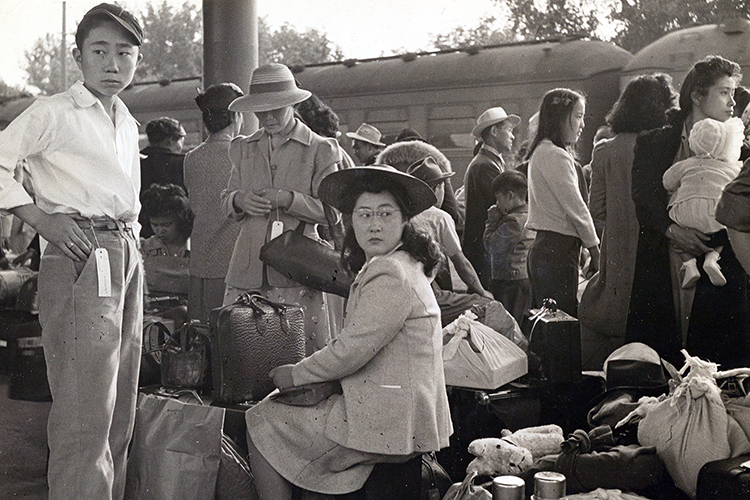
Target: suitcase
column 555, row 337
column 15, row 325
column 248, row 339
column 725, row 479
column 28, row 371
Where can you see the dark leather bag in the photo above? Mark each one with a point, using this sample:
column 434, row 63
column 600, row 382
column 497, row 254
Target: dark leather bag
column 309, row 262
column 186, row 358
column 435, row 480
column 248, row 339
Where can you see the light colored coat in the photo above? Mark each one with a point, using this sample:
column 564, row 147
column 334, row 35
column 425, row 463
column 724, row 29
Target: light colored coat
column 297, row 165
column 388, row 358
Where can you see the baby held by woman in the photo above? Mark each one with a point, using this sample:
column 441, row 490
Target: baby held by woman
column 696, row 184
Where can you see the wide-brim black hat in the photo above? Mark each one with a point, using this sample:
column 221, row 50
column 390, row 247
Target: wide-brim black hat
column 637, row 368
column 336, row 188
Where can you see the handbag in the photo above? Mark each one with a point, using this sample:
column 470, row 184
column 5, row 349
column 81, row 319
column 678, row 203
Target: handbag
column 155, row 334
column 307, row 394
column 311, row 263
column 248, row 339
column 466, row 490
column 235, row 477
column 185, row 360
column 435, row 480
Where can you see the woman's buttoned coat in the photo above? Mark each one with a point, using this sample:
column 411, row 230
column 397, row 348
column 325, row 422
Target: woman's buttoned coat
column 297, row 165
column 388, row 358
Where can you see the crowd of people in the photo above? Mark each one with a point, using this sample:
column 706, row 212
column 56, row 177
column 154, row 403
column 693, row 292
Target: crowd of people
column 649, row 247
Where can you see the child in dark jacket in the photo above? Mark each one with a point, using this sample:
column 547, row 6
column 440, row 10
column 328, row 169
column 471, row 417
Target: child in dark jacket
column 507, row 241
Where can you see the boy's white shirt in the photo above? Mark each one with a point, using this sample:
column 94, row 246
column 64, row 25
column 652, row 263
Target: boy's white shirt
column 79, row 160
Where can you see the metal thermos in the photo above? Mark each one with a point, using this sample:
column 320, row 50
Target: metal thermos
column 548, row 486
column 508, row 488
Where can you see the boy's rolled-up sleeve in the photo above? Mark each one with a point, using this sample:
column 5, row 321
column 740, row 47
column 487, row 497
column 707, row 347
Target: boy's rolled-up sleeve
column 24, row 137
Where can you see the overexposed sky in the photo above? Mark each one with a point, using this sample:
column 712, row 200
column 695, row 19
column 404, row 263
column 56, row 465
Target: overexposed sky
column 362, row 28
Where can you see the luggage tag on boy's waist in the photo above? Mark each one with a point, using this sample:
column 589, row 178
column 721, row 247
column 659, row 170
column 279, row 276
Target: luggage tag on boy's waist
column 277, row 227
column 103, row 273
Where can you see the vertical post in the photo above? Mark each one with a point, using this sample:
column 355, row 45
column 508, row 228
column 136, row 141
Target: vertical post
column 230, row 45
column 63, row 55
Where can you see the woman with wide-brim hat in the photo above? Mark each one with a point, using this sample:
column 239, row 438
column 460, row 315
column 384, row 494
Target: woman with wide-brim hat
column 275, row 177
column 392, row 405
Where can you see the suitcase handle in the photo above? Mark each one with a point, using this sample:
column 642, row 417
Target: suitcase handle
column 252, row 300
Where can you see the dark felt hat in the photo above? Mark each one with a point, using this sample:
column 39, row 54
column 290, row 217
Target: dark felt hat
column 336, row 188
column 635, row 367
column 429, row 171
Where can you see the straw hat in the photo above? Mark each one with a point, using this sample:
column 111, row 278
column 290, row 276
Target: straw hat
column 336, row 188
column 429, row 171
column 367, row 133
column 491, row 117
column 271, row 87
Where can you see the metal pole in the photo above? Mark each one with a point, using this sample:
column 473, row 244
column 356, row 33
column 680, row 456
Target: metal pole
column 63, row 55
column 230, row 45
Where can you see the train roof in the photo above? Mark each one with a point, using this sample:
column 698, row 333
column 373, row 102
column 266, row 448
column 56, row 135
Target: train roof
column 676, row 52
column 149, row 96
column 566, row 59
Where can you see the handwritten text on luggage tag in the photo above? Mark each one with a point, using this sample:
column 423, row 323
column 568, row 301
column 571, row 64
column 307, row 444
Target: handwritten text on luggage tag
column 103, row 273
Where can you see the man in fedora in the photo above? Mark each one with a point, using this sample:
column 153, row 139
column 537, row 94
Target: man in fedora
column 494, row 130
column 366, row 143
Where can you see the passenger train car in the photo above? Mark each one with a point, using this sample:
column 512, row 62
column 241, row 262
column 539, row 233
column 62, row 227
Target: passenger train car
column 440, row 94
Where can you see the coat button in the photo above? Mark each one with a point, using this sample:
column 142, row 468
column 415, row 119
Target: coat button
column 273, row 167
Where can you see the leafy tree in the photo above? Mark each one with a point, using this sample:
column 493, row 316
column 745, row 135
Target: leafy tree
column 644, row 21
column 43, row 65
column 526, row 20
column 288, row 46
column 532, row 19
column 172, row 44
column 483, row 33
column 9, row 93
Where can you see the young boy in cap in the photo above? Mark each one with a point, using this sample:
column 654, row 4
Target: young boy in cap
column 507, row 241
column 81, row 147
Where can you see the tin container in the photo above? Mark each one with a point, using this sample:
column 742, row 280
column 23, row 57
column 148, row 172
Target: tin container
column 508, row 488
column 548, row 486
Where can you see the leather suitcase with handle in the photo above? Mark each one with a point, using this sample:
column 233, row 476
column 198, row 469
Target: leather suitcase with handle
column 248, row 339
column 727, row 479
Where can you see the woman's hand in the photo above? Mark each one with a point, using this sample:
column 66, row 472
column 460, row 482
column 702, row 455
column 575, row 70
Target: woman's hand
column 279, row 198
column 687, row 240
column 252, row 203
column 282, row 376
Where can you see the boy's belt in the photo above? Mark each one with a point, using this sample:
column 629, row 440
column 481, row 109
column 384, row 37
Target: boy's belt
column 102, row 223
